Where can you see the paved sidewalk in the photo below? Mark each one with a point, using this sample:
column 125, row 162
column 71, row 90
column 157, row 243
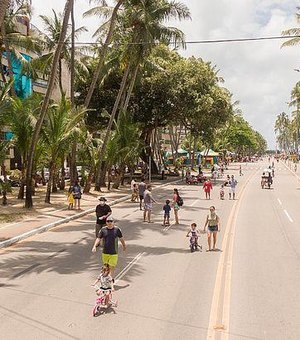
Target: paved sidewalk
column 51, row 216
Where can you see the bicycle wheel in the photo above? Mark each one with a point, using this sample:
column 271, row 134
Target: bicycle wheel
column 96, row 310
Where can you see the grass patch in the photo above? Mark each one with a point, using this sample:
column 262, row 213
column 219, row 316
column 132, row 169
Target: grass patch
column 7, row 218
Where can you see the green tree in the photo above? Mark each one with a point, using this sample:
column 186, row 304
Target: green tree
column 58, row 130
column 283, row 131
column 124, row 146
column 294, row 32
column 146, row 21
column 40, row 121
column 53, row 27
column 21, row 121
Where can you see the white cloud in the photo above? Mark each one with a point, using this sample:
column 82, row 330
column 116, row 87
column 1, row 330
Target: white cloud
column 259, row 74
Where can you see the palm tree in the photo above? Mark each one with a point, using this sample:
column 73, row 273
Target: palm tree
column 282, row 130
column 91, row 149
column 21, row 121
column 4, row 107
column 104, row 49
column 38, row 127
column 59, row 127
column 146, row 22
column 124, row 147
column 295, row 101
column 295, row 32
column 53, row 27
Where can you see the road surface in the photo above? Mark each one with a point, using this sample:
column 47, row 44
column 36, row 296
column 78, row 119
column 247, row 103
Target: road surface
column 248, row 290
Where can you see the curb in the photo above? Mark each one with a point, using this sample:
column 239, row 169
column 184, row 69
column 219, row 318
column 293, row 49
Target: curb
column 49, row 226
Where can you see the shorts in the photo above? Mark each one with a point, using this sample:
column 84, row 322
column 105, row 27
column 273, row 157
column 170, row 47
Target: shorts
column 110, row 259
column 213, row 228
column 167, row 215
column 176, row 206
column 148, row 206
column 98, row 227
column 232, row 190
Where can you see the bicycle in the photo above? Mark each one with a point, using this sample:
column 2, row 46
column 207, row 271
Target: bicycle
column 103, row 300
column 194, row 244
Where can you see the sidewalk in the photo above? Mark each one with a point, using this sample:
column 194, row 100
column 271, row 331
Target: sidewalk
column 45, row 217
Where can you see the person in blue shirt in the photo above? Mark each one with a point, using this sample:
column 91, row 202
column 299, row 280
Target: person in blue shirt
column 167, row 209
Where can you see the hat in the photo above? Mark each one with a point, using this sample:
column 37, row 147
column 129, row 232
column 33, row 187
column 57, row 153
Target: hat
column 109, row 218
column 102, row 199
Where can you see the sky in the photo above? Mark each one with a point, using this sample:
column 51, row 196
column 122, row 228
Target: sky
column 260, row 75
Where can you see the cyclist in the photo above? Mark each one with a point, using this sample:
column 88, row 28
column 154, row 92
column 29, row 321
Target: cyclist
column 193, row 234
column 106, row 283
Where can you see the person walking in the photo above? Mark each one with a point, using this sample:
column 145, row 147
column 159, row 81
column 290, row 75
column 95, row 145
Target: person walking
column 103, row 211
column 176, row 207
column 109, row 236
column 148, row 200
column 142, row 188
column 213, row 227
column 132, row 187
column 240, row 170
column 207, row 187
column 232, row 186
column 76, row 191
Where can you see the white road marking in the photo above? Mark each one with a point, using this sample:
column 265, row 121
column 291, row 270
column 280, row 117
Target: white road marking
column 168, row 227
column 128, row 267
column 279, row 201
column 288, row 216
column 194, row 203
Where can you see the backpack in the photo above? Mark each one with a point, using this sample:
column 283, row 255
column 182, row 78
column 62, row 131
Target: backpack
column 180, row 201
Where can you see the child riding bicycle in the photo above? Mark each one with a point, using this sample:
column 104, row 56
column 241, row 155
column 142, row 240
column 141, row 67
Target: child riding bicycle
column 193, row 234
column 106, row 285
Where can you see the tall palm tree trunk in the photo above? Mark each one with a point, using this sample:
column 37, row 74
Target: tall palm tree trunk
column 62, row 182
column 88, row 183
column 72, row 71
column 37, row 130
column 3, row 171
column 73, row 170
column 60, row 85
column 4, row 4
column 103, row 52
column 49, row 184
column 131, row 86
column 110, row 123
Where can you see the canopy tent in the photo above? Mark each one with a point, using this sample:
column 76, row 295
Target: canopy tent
column 209, row 153
column 180, row 152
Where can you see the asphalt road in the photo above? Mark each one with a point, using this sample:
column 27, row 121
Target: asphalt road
column 248, row 290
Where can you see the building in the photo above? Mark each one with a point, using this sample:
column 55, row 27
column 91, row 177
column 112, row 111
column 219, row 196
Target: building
column 24, row 86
